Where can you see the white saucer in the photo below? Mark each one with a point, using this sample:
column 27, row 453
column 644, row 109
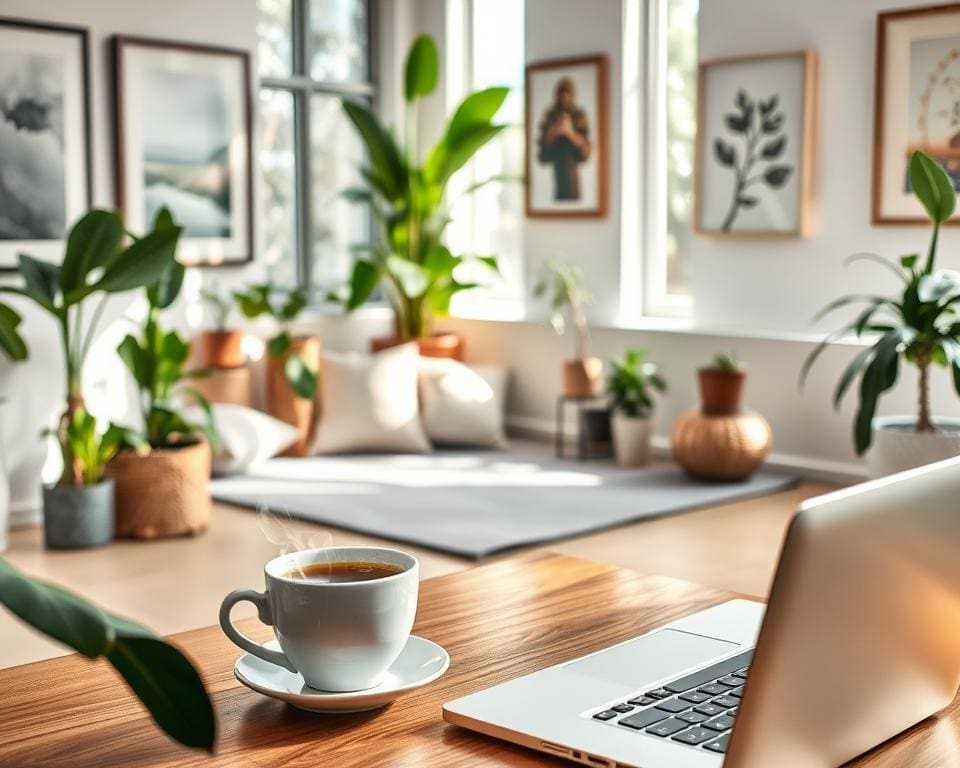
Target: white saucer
column 420, row 662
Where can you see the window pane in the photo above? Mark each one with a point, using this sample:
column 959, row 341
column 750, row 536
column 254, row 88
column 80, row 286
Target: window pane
column 338, row 40
column 681, row 131
column 275, row 35
column 278, row 185
column 335, row 156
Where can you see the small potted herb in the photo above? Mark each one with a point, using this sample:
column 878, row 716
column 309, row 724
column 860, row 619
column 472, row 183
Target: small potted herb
column 79, row 509
column 221, row 347
column 721, row 385
column 630, row 384
column 292, row 361
column 562, row 286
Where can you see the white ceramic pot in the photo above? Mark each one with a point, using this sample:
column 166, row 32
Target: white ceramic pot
column 631, row 440
column 896, row 446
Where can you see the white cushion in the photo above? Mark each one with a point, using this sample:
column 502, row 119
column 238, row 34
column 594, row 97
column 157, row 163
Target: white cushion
column 369, row 403
column 247, row 436
column 462, row 405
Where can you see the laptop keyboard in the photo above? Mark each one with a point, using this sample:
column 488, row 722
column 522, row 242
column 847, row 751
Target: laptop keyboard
column 697, row 709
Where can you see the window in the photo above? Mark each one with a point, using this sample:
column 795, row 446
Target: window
column 490, row 220
column 311, row 54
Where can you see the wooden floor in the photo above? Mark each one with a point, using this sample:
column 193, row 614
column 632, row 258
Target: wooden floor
column 177, row 584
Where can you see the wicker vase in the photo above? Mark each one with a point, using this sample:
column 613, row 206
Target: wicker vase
column 283, row 403
column 163, row 493
column 720, row 447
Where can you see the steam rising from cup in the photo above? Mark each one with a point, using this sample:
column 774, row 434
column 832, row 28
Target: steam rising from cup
column 278, row 528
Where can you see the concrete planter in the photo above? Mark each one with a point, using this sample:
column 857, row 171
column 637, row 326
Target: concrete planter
column 78, row 516
column 896, row 446
column 631, row 440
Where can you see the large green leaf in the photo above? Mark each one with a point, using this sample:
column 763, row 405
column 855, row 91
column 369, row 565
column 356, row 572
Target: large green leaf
column 255, row 301
column 165, row 291
column 41, row 280
column 477, row 109
column 850, row 374
column 421, row 68
column 279, row 344
column 933, row 187
column 92, row 242
column 132, row 356
column 143, row 263
column 411, row 278
column 452, row 154
column 302, row 380
column 381, row 147
column 878, row 377
column 11, row 342
column 363, row 282
column 296, row 301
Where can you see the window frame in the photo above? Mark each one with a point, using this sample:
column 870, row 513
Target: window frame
column 301, row 86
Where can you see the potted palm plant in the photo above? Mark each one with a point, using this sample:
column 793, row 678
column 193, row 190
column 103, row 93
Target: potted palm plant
column 919, row 326
column 630, row 384
column 161, row 472
column 405, row 193
column 78, row 510
column 721, row 385
column 221, row 347
column 562, row 285
column 292, row 361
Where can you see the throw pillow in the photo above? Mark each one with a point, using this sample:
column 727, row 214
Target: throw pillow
column 462, row 405
column 247, row 436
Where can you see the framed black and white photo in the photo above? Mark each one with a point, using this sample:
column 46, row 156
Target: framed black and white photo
column 567, row 138
column 44, row 137
column 916, row 107
column 183, row 141
column 754, row 154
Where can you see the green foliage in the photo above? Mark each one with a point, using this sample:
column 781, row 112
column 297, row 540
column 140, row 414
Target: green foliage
column 406, row 197
column 725, row 361
column 562, row 286
column 91, row 450
column 283, row 306
column 96, row 261
column 630, row 382
column 920, row 325
column 219, row 305
column 158, row 674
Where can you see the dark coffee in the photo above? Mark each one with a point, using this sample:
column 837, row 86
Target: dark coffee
column 337, row 573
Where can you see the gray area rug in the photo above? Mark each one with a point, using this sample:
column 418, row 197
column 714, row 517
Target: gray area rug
column 477, row 503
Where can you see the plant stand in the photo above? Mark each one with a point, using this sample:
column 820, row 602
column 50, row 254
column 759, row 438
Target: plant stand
column 592, row 440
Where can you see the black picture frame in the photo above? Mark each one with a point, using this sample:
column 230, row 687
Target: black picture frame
column 83, row 35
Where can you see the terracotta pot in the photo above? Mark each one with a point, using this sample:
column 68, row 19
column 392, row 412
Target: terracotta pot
column 720, row 391
column 448, row 345
column 583, row 377
column 283, row 403
column 720, row 447
column 163, row 493
column 222, row 349
column 228, row 385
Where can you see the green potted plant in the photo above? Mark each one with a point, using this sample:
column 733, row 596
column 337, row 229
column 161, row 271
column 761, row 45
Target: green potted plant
column 919, row 326
column 221, row 347
column 405, row 193
column 161, row 472
column 292, row 361
column 721, row 385
column 562, row 285
column 78, row 510
column 157, row 673
column 630, row 384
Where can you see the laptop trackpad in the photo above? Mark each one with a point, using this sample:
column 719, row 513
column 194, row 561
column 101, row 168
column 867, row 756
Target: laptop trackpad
column 651, row 657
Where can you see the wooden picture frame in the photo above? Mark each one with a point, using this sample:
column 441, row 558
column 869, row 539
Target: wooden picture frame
column 583, row 192
column 913, row 46
column 203, row 172
column 39, row 150
column 772, row 214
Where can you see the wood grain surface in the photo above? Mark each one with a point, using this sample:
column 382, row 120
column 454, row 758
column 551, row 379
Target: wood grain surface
column 497, row 622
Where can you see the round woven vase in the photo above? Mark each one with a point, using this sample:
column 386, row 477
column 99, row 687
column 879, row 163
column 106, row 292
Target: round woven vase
column 730, row 447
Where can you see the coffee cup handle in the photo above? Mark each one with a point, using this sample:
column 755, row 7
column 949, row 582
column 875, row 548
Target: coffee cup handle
column 263, row 612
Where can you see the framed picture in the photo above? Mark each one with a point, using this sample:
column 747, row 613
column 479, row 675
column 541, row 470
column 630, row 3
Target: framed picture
column 183, row 141
column 567, row 138
column 754, row 154
column 917, row 105
column 44, row 137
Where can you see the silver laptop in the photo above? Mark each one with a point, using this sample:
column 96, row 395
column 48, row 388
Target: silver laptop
column 860, row 641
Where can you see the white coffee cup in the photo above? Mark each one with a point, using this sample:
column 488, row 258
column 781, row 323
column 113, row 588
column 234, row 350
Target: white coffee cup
column 340, row 636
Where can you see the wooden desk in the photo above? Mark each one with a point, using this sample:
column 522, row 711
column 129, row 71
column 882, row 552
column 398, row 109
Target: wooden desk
column 497, row 622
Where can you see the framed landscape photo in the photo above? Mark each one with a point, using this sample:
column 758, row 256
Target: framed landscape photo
column 44, row 137
column 754, row 154
column 567, row 138
column 917, row 105
column 183, row 134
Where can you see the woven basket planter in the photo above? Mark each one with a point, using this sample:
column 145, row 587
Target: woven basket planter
column 163, row 493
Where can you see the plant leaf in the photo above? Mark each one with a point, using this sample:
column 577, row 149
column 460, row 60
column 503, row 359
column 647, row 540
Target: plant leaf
column 412, row 278
column 774, row 148
column 41, row 280
column 279, row 344
column 726, row 154
column 302, row 380
column 477, row 109
column 777, row 175
column 92, row 242
column 879, row 376
column 381, row 147
column 421, row 68
column 932, row 186
column 143, row 263
column 451, row 155
column 849, row 374
column 363, row 281
column 11, row 342
column 737, row 123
